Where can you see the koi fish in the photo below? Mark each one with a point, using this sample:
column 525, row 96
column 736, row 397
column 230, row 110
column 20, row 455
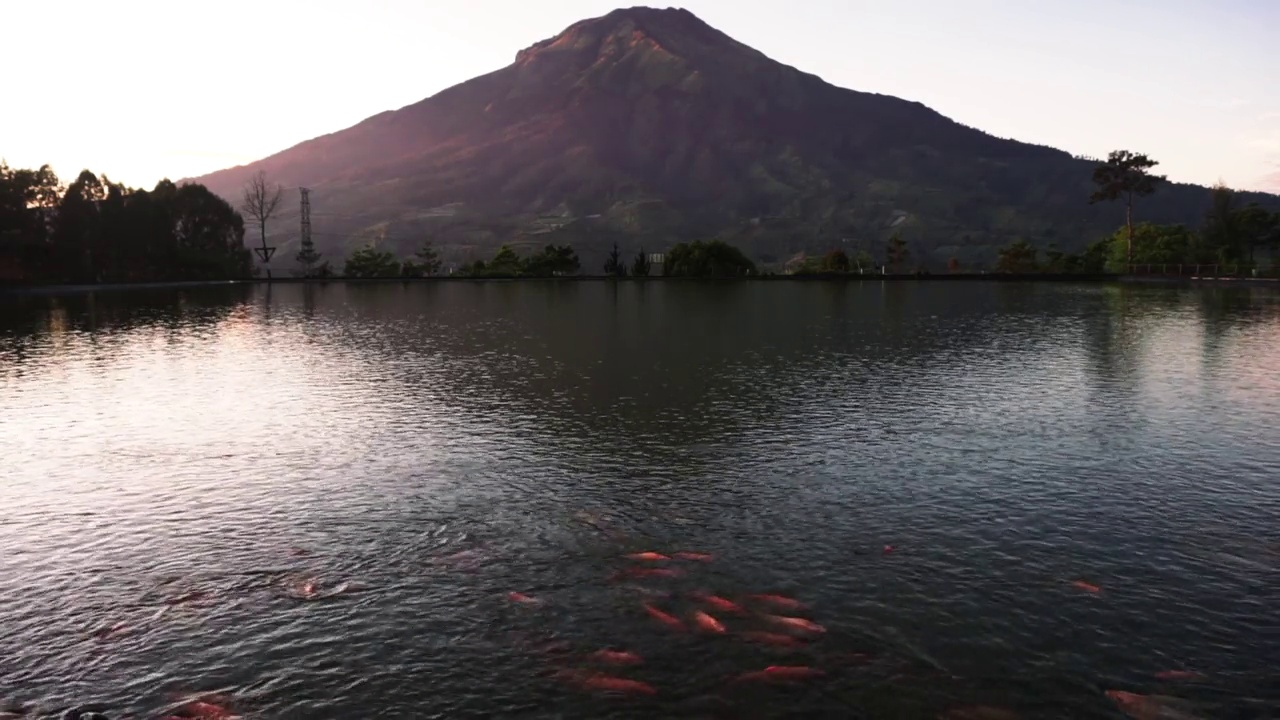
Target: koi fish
column 108, row 633
column 1087, row 587
column 664, row 618
column 782, row 673
column 187, row 597
column 649, row 572
column 1179, row 675
column 797, row 623
column 780, row 601
column 609, row 683
column 720, row 603
column 769, row 638
column 1150, row 707
column 648, row 556
column 694, row 556
column 706, row 622
column 522, row 598
column 617, row 657
column 205, row 711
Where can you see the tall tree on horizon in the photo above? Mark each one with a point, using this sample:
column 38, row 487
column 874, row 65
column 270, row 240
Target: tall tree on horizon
column 615, row 266
column 1124, row 175
column 260, row 203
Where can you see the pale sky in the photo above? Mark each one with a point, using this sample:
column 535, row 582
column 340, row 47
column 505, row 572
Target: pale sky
column 145, row 89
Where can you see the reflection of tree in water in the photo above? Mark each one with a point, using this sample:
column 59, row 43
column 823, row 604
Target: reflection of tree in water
column 29, row 321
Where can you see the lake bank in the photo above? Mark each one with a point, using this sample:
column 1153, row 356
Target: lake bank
column 42, row 289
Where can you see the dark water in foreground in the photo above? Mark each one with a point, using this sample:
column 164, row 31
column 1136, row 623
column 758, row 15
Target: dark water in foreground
column 440, row 446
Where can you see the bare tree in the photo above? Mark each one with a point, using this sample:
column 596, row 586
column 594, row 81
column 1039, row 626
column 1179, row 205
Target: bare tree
column 260, row 203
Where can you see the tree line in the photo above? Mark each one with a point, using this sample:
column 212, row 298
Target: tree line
column 95, row 230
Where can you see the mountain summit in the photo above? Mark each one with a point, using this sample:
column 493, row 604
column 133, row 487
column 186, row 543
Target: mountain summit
column 648, row 127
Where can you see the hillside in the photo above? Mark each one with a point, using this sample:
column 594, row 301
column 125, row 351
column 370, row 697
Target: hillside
column 647, row 127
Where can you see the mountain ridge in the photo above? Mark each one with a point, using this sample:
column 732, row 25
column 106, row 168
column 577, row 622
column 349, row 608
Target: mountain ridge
column 647, row 127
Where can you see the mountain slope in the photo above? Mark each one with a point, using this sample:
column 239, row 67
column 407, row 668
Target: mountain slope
column 647, row 127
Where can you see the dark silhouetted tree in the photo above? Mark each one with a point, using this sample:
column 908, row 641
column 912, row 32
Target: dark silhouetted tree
column 260, row 203
column 1017, row 257
column 836, row 261
column 896, row 254
column 369, row 262
column 614, row 265
column 640, row 266
column 1124, row 176
column 428, row 259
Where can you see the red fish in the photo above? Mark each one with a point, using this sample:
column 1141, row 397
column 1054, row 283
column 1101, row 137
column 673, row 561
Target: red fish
column 617, row 657
column 620, row 685
column 1179, row 675
column 720, row 603
column 797, row 623
column 522, row 598
column 664, row 618
column 782, row 673
column 648, row 556
column 695, row 556
column 110, row 633
column 1087, row 587
column 706, row 622
column 769, row 638
column 650, row 572
column 204, row 711
column 1150, row 707
column 780, row 601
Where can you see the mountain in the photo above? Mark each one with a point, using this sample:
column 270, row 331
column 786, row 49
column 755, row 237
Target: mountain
column 648, row 127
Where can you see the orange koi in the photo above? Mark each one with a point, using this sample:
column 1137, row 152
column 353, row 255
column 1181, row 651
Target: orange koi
column 617, row 657
column 1151, row 707
column 769, row 638
column 652, row 572
column 109, row 633
column 522, row 598
column 780, row 601
column 1087, row 587
column 720, row 603
column 1179, row 675
column 664, row 618
column 694, row 556
column 783, row 673
column 797, row 623
column 648, row 556
column 188, row 597
column 205, row 711
column 706, row 622
column 609, row 683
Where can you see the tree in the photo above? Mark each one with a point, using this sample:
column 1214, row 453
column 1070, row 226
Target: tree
column 505, row 263
column 368, row 262
column 835, row 261
column 1151, row 245
column 307, row 256
column 953, row 265
column 640, row 266
column 552, row 261
column 707, row 259
column 896, row 254
column 1055, row 259
column 614, row 266
column 1017, row 257
column 1125, row 175
column 428, row 259
column 260, row 204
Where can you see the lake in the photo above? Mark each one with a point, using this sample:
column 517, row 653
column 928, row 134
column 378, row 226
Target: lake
column 318, row 500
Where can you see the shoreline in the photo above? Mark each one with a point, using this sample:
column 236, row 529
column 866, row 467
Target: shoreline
column 49, row 289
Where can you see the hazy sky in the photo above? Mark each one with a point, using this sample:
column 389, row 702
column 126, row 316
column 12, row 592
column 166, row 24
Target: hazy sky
column 144, row 89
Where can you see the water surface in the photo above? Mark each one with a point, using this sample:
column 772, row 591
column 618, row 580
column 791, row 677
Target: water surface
column 440, row 445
